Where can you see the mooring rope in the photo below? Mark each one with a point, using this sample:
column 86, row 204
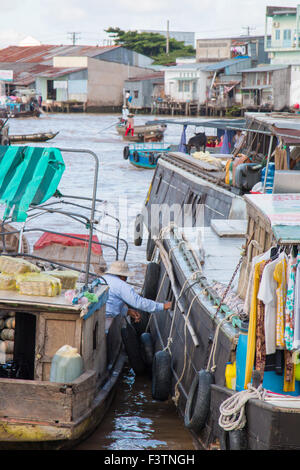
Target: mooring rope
column 232, row 411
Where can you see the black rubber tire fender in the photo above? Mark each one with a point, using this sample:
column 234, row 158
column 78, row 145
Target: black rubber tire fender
column 138, row 230
column 161, row 376
column 238, row 439
column 132, row 348
column 150, row 248
column 147, row 349
column 126, row 152
column 151, row 159
column 151, row 281
column 198, row 401
column 135, row 156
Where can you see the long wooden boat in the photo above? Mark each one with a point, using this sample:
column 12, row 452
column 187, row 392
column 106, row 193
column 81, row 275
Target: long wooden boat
column 39, row 137
column 143, row 133
column 202, row 261
column 36, row 410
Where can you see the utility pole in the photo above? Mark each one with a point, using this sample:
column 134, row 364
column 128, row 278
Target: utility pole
column 168, row 38
column 74, row 36
column 248, row 29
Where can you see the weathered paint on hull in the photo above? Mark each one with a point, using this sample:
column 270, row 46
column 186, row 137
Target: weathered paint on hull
column 15, row 434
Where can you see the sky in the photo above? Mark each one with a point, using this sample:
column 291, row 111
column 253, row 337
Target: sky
column 53, row 21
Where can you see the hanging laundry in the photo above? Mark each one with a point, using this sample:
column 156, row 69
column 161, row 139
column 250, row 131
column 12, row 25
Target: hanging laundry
column 290, row 302
column 267, row 294
column 296, row 341
column 280, row 278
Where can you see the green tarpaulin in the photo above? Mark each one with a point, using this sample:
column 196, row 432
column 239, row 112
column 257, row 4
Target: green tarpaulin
column 28, row 175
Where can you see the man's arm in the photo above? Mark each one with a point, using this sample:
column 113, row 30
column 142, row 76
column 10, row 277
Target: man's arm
column 131, row 298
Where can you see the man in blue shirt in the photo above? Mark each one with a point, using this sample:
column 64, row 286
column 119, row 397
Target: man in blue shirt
column 122, row 298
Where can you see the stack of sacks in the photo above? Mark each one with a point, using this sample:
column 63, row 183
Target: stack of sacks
column 7, row 335
column 27, row 278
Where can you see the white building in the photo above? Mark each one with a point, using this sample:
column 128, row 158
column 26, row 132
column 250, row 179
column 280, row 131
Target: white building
column 282, row 34
column 186, row 82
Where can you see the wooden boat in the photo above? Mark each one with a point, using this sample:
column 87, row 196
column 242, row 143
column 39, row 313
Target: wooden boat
column 40, row 137
column 202, row 259
column 145, row 133
column 145, row 155
column 35, row 411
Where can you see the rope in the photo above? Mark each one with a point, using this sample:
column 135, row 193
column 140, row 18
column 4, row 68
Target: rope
column 176, row 391
column 232, row 411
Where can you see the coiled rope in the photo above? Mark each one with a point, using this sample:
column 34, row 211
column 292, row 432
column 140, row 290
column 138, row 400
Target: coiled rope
column 232, row 411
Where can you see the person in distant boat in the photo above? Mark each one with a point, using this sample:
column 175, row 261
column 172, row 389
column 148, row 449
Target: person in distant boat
column 122, row 298
column 130, row 125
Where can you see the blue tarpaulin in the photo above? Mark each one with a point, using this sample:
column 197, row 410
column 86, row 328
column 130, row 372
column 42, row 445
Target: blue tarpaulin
column 182, row 145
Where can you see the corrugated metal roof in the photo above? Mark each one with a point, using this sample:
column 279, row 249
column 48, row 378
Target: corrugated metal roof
column 266, row 68
column 146, row 77
column 225, row 63
column 45, row 53
column 28, row 75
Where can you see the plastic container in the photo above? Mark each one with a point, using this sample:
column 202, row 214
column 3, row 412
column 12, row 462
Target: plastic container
column 66, row 365
column 230, row 375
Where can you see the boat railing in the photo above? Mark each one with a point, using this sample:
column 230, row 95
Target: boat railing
column 89, row 221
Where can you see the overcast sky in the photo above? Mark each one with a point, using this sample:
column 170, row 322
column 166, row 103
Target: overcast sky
column 51, row 21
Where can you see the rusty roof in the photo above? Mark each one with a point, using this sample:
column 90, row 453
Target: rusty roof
column 44, row 54
column 27, row 75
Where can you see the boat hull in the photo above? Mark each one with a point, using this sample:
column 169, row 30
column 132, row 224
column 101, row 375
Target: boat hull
column 153, row 133
column 43, row 137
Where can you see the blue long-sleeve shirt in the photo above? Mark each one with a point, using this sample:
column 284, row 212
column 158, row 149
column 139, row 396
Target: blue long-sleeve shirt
column 122, row 295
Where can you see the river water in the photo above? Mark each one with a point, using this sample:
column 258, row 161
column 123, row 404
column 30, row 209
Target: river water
column 135, row 421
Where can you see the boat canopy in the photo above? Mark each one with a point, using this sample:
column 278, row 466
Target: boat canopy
column 28, row 176
column 283, row 213
column 213, row 123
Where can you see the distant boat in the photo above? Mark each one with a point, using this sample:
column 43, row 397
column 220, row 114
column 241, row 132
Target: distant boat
column 145, row 133
column 41, row 137
column 146, row 155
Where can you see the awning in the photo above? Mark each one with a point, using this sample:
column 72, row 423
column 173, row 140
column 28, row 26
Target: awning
column 28, row 175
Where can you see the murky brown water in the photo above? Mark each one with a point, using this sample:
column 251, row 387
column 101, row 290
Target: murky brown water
column 135, row 421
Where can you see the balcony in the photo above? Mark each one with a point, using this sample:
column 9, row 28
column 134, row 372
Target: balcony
column 284, row 45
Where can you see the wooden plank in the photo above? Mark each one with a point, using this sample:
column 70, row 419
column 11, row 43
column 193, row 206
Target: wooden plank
column 35, row 400
column 229, row 228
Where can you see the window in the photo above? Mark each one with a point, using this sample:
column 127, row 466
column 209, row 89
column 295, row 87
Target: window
column 287, row 35
column 277, row 34
column 186, row 86
column 136, row 93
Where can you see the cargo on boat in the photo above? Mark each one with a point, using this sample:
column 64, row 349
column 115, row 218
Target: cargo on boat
column 60, row 359
column 224, row 246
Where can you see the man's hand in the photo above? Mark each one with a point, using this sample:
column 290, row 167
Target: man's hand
column 134, row 314
column 167, row 305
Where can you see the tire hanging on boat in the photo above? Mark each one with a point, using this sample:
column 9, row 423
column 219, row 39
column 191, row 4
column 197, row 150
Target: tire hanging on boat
column 138, row 230
column 161, row 376
column 126, row 152
column 198, row 401
column 147, row 349
column 150, row 287
column 132, row 348
column 238, row 439
column 150, row 248
column 149, row 291
column 135, row 156
column 151, row 159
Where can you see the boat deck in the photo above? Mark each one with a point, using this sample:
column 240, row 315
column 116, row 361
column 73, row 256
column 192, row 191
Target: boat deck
column 59, row 302
column 222, row 250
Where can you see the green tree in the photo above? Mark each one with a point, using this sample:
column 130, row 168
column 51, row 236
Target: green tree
column 151, row 44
